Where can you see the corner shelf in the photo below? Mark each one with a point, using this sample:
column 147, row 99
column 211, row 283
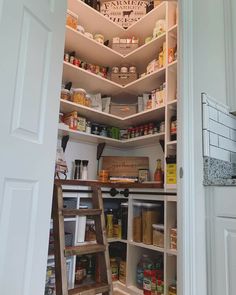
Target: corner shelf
column 157, row 114
column 150, row 247
column 128, row 143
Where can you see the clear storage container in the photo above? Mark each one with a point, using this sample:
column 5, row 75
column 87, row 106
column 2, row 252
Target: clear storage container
column 151, row 214
column 79, row 96
column 158, row 235
column 137, row 222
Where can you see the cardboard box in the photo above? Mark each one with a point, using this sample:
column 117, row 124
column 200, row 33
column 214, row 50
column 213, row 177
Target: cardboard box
column 123, row 110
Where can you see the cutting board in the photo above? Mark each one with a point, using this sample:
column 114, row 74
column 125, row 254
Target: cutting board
column 124, row 166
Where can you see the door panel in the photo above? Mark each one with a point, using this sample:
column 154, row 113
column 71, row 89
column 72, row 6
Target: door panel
column 31, row 54
column 225, row 258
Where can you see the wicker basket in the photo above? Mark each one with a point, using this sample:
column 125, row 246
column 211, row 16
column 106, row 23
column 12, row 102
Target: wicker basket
column 123, row 79
column 124, row 48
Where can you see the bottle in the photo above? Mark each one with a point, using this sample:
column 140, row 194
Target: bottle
column 145, row 263
column 173, row 127
column 84, row 175
column 158, row 175
column 110, row 224
column 77, row 174
column 114, row 269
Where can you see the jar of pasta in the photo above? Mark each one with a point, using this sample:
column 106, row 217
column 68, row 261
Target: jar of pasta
column 79, row 96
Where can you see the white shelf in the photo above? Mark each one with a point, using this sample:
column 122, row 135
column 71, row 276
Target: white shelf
column 140, row 57
column 85, row 48
column 157, row 114
column 135, row 290
column 114, row 240
column 172, row 252
column 174, row 101
column 93, row 83
column 96, row 84
column 173, row 30
column 95, row 139
column 173, row 142
column 173, row 65
column 150, row 247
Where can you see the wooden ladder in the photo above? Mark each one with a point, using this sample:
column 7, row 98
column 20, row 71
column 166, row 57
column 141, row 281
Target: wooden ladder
column 103, row 282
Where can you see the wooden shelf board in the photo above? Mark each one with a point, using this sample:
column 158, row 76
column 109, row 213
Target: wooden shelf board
column 89, row 183
column 144, row 117
column 93, row 83
column 91, row 138
column 150, row 247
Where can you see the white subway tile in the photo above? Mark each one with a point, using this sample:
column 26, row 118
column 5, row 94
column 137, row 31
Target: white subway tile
column 227, row 144
column 205, row 116
column 206, row 145
column 218, row 128
column 232, row 134
column 233, row 157
column 220, row 154
column 214, row 139
column 213, row 113
column 227, row 120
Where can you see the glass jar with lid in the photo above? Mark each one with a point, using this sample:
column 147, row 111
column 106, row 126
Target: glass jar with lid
column 65, row 94
column 79, row 96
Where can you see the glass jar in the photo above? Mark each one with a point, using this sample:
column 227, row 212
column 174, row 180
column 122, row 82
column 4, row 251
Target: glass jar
column 132, row 70
column 115, row 70
column 79, row 96
column 137, row 222
column 150, row 215
column 65, row 94
column 124, row 70
column 124, row 220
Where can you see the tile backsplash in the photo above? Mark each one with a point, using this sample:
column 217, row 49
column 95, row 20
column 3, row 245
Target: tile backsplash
column 219, row 130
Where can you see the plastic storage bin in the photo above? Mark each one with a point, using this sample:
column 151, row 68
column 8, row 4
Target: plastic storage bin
column 137, row 222
column 158, row 235
column 150, row 215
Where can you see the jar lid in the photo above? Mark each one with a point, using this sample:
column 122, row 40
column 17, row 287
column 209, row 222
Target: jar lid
column 151, row 205
column 124, row 204
column 158, row 226
column 79, row 90
column 65, row 90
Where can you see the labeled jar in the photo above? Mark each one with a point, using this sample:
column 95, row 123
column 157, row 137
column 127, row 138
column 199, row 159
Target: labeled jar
column 150, row 215
column 65, row 94
column 158, row 235
column 79, row 96
column 137, row 222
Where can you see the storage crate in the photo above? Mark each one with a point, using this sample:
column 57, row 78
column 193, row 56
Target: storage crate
column 123, row 110
column 124, row 48
column 123, row 79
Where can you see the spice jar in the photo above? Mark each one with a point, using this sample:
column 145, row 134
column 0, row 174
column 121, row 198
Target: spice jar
column 158, row 235
column 132, row 70
column 137, row 222
column 115, row 70
column 150, row 215
column 124, row 70
column 79, row 96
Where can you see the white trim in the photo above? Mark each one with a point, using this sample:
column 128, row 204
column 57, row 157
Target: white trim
column 229, row 55
column 191, row 209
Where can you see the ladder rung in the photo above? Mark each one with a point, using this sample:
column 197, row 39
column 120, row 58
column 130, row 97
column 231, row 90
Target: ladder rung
column 84, row 249
column 90, row 289
column 81, row 212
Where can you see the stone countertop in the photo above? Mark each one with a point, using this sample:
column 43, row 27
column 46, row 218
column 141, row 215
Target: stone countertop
column 218, row 173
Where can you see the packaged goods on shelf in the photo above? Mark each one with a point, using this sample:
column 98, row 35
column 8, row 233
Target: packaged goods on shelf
column 160, row 28
column 70, row 119
column 122, row 271
column 137, row 222
column 114, row 269
column 171, row 177
column 96, row 101
column 173, row 238
column 125, row 45
column 124, row 75
column 65, row 94
column 81, row 124
column 106, row 101
column 71, row 19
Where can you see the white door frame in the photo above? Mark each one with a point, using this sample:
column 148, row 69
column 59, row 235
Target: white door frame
column 191, row 196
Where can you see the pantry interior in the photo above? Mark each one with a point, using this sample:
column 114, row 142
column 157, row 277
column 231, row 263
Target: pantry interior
column 148, row 129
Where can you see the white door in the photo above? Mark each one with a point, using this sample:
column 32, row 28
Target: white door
column 31, row 53
column 225, row 258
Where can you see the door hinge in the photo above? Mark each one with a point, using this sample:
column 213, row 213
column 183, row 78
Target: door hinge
column 181, row 172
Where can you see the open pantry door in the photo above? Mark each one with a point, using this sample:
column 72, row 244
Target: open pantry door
column 31, row 53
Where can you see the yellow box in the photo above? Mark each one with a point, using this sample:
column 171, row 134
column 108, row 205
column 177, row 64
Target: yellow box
column 171, row 174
